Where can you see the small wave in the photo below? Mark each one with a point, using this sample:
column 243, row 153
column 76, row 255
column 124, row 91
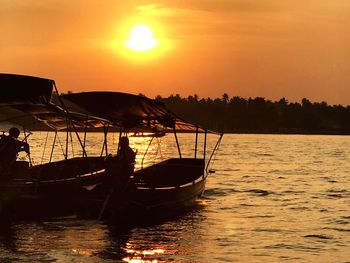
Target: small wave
column 244, row 204
column 337, row 193
column 293, row 192
column 335, row 196
column 259, row 192
column 337, row 153
column 328, row 179
column 226, row 170
column 318, row 236
column 340, row 222
column 264, row 154
column 293, row 247
column 338, row 229
column 219, row 192
column 300, row 208
column 260, row 216
column 275, row 171
column 340, row 192
column 272, row 230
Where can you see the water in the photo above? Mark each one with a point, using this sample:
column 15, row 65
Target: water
column 273, row 198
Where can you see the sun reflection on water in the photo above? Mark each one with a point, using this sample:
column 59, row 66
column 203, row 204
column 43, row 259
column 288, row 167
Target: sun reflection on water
column 142, row 256
column 86, row 252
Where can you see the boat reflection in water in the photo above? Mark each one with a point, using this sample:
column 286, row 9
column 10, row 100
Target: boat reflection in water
column 74, row 240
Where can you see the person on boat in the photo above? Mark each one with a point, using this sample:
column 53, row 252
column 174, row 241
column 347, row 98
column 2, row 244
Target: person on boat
column 122, row 165
column 125, row 153
column 10, row 146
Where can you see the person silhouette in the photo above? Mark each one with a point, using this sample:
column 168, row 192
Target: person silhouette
column 121, row 166
column 119, row 169
column 10, row 146
column 125, row 153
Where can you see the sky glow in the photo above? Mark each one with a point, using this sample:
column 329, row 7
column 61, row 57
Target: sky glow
column 249, row 48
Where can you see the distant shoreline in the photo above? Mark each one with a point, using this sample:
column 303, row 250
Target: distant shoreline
column 287, row 132
column 291, row 133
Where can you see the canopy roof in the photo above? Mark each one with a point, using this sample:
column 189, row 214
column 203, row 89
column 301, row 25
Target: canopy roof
column 34, row 116
column 127, row 111
column 56, row 118
column 22, row 96
column 16, row 89
column 25, row 101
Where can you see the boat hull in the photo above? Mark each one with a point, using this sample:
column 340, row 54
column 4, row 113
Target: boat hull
column 166, row 198
column 91, row 197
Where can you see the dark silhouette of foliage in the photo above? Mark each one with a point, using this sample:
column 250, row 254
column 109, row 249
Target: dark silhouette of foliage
column 258, row 115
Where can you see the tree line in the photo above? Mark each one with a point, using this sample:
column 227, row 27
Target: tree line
column 260, row 115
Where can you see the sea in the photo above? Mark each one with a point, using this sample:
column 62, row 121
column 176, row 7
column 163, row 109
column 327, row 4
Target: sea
column 272, row 198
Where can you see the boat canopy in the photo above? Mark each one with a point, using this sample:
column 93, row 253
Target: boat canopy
column 56, row 118
column 128, row 111
column 22, row 96
column 41, row 117
column 19, row 89
column 26, row 101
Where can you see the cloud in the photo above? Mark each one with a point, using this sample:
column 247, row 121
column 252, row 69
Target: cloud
column 213, row 18
column 216, row 6
column 156, row 10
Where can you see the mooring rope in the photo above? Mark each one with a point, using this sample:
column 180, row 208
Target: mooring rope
column 42, row 157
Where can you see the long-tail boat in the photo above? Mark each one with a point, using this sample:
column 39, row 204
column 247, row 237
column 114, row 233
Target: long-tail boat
column 72, row 185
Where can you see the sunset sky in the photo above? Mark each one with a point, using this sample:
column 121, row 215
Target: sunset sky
column 248, row 48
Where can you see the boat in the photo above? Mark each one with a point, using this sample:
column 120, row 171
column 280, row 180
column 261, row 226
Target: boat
column 146, row 133
column 78, row 185
column 27, row 101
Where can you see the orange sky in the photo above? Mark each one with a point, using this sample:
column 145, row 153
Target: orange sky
column 269, row 48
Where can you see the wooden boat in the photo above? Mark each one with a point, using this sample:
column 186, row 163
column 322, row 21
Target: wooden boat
column 26, row 101
column 78, row 185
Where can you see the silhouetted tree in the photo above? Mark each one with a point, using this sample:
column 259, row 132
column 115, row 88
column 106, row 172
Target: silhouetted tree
column 238, row 114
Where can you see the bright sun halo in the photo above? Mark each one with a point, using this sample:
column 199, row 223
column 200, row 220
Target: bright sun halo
column 141, row 39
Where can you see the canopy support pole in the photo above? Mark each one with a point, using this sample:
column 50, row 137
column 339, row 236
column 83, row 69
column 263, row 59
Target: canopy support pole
column 80, row 142
column 67, row 133
column 71, row 140
column 143, row 158
column 42, row 156
column 105, row 134
column 195, row 147
column 120, row 135
column 217, row 145
column 67, row 118
column 205, row 145
column 53, row 146
column 25, row 139
column 84, row 142
column 104, row 145
column 177, row 143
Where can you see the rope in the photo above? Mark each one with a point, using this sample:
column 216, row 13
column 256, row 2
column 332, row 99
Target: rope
column 59, row 142
column 71, row 142
column 25, row 139
column 42, row 157
column 159, row 148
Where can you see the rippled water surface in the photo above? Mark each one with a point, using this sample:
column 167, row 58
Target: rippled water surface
column 273, row 198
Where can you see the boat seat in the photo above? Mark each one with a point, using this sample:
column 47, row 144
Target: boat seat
column 170, row 173
column 69, row 168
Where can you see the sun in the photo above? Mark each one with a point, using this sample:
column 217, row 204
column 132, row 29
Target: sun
column 141, row 39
